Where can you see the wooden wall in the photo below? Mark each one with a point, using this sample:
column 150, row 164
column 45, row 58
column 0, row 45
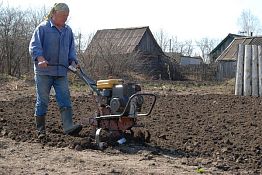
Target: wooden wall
column 226, row 70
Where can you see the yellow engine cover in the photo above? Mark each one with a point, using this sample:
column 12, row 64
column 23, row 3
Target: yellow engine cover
column 108, row 84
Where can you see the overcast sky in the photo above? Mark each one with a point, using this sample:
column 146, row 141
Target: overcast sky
column 184, row 19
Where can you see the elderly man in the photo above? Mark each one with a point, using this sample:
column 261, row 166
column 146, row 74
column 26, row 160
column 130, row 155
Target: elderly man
column 53, row 43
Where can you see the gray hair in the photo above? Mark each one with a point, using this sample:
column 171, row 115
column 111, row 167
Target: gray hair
column 57, row 7
column 61, row 7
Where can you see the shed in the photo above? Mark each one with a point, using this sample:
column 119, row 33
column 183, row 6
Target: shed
column 127, row 41
column 188, row 60
column 227, row 61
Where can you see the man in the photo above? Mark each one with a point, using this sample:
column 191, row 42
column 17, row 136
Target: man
column 51, row 44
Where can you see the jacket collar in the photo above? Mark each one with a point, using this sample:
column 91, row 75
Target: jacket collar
column 53, row 25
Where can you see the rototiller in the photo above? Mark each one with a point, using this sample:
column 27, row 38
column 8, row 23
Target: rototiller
column 119, row 105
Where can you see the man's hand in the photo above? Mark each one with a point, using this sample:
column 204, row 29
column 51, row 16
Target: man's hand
column 77, row 66
column 42, row 63
column 73, row 66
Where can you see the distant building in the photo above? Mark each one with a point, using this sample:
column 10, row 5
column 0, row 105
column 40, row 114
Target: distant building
column 214, row 54
column 187, row 60
column 184, row 60
column 227, row 61
column 131, row 41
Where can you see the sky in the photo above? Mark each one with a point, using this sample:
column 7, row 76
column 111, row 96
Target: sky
column 184, row 19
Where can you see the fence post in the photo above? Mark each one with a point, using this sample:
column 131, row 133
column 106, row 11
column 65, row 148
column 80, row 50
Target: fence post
column 260, row 70
column 247, row 70
column 254, row 71
column 239, row 72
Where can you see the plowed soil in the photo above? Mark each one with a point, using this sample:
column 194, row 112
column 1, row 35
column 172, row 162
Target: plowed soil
column 214, row 133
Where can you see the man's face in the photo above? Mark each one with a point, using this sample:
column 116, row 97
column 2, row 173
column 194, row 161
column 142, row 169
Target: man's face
column 60, row 18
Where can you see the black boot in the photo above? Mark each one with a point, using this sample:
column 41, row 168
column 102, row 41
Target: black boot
column 40, row 126
column 68, row 126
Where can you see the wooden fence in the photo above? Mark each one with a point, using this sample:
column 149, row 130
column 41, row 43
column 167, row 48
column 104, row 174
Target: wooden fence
column 249, row 71
column 202, row 72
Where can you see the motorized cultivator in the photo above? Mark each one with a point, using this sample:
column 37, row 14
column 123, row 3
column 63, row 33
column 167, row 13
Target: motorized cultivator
column 119, row 105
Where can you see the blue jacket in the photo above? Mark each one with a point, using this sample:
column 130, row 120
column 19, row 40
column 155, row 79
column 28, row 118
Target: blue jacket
column 57, row 47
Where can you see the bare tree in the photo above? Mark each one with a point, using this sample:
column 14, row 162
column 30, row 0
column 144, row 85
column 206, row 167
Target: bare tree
column 171, row 44
column 15, row 33
column 249, row 23
column 106, row 59
column 184, row 47
column 37, row 16
column 206, row 45
column 81, row 44
column 189, row 48
column 11, row 33
column 162, row 40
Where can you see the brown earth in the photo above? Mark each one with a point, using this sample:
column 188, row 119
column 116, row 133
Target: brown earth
column 193, row 130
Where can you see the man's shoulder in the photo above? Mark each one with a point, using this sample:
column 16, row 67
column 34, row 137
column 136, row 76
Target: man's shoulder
column 68, row 27
column 44, row 23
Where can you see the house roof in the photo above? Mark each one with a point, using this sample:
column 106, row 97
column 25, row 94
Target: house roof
column 230, row 35
column 125, row 38
column 230, row 53
column 194, row 57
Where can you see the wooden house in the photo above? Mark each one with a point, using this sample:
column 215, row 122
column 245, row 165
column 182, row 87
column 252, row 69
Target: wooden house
column 214, row 54
column 227, row 61
column 137, row 41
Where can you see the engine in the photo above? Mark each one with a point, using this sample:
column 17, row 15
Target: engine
column 115, row 95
